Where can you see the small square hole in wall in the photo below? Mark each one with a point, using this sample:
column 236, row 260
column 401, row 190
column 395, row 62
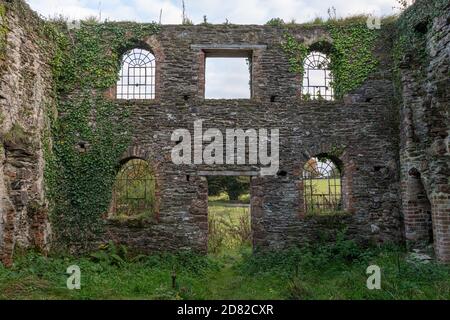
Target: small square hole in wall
column 227, row 78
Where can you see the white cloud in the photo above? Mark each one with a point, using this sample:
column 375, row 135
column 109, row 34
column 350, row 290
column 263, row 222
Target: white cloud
column 223, row 79
column 75, row 9
column 227, row 78
column 236, row 11
column 128, row 10
column 260, row 11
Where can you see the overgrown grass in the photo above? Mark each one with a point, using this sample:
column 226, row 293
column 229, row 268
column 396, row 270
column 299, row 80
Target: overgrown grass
column 229, row 227
column 338, row 271
column 224, row 198
column 324, row 271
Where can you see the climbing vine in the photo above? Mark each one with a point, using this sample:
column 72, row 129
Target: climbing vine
column 352, row 58
column 90, row 134
column 296, row 52
column 3, row 30
column 412, row 28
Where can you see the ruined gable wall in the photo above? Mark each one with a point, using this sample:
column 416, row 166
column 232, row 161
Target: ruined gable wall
column 363, row 126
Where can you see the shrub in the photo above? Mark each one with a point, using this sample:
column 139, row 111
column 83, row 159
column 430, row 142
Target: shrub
column 276, row 22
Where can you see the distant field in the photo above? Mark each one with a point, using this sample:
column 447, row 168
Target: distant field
column 321, row 186
column 322, row 196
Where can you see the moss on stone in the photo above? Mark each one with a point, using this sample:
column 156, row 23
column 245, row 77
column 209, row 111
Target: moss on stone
column 17, row 136
column 3, row 30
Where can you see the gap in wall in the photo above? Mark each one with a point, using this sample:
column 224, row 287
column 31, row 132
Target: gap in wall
column 229, row 215
column 227, row 78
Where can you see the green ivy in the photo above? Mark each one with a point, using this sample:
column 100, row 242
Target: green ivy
column 352, row 58
column 409, row 40
column 3, row 30
column 422, row 13
column 296, row 52
column 80, row 177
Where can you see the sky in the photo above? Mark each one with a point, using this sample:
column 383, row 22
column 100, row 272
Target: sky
column 225, row 78
column 217, row 11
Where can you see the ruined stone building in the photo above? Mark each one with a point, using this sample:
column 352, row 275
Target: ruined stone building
column 71, row 118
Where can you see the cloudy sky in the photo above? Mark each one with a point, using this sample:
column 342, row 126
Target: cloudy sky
column 224, row 79
column 217, row 11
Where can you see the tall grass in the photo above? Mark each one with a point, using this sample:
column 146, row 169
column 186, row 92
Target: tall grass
column 229, row 228
column 332, row 271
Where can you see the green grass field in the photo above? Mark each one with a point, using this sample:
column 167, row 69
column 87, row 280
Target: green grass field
column 322, row 186
column 324, row 271
column 322, row 196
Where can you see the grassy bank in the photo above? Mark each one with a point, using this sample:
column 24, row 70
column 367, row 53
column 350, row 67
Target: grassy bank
column 230, row 271
column 325, row 272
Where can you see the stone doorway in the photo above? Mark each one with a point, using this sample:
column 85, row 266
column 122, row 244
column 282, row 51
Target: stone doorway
column 230, row 221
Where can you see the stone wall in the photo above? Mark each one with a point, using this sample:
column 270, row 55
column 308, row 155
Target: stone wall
column 364, row 126
column 25, row 95
column 425, row 127
column 361, row 131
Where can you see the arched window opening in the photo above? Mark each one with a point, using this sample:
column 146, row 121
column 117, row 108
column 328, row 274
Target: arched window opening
column 417, row 207
column 321, row 187
column 137, row 75
column 134, row 191
column 317, row 77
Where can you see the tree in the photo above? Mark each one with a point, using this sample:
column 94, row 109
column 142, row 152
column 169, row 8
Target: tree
column 233, row 186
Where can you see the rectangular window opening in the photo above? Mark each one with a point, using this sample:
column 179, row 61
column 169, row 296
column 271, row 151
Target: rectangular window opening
column 228, row 77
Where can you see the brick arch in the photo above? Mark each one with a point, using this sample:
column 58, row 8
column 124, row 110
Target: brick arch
column 306, row 154
column 317, row 37
column 152, row 45
column 322, row 45
column 138, row 152
column 417, row 209
column 134, row 152
column 345, row 164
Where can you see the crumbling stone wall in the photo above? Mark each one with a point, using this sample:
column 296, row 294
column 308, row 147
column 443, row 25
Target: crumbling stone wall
column 25, row 96
column 425, row 153
column 361, row 130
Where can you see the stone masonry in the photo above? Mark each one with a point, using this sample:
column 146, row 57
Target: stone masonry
column 26, row 95
column 395, row 163
column 424, row 149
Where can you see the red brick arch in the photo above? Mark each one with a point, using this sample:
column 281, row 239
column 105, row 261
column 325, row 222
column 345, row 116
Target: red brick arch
column 137, row 152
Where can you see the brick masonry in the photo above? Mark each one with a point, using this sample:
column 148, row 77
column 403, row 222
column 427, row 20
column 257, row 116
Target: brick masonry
column 424, row 148
column 393, row 180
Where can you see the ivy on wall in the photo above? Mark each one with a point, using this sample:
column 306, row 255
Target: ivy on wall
column 412, row 28
column 351, row 55
column 296, row 52
column 90, row 133
column 352, row 58
column 3, row 30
